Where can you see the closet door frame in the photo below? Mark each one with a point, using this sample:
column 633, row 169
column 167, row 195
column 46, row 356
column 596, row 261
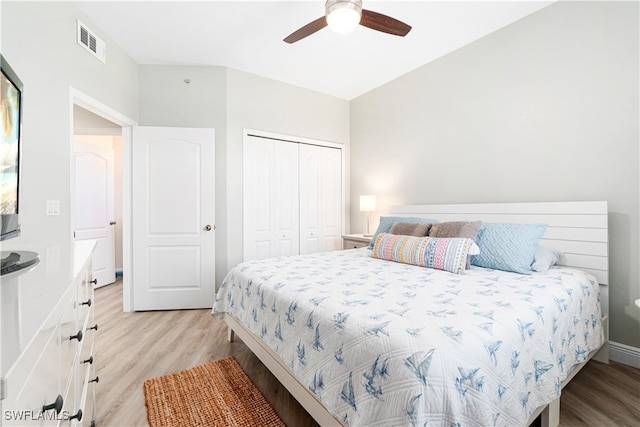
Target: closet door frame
column 246, row 133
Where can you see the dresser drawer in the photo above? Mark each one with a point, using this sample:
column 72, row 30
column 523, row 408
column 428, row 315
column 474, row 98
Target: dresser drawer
column 90, row 406
column 355, row 241
column 87, row 386
column 71, row 333
column 85, row 295
column 347, row 244
column 353, row 244
column 89, row 329
column 34, row 381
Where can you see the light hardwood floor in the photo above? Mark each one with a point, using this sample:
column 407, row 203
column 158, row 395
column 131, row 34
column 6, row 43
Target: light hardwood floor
column 132, row 347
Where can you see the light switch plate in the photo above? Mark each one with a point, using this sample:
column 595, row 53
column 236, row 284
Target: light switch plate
column 53, row 207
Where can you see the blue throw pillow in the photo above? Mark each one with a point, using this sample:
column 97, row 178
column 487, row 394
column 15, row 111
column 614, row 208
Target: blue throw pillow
column 386, row 222
column 507, row 246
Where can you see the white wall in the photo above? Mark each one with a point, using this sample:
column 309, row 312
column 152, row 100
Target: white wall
column 229, row 101
column 39, row 42
column 545, row 109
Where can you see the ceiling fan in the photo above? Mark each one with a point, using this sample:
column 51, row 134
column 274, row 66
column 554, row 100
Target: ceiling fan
column 343, row 16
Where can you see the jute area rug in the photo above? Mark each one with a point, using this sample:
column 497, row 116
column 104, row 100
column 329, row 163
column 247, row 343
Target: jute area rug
column 217, row 393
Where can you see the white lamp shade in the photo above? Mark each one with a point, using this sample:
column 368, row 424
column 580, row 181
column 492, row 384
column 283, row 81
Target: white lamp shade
column 367, row 203
column 343, row 20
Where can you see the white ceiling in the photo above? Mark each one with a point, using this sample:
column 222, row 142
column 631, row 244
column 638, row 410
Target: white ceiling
column 248, row 36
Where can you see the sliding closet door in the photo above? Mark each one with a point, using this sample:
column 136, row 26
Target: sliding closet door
column 320, row 199
column 270, row 194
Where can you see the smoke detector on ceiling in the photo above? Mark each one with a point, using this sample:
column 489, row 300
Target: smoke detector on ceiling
column 91, row 42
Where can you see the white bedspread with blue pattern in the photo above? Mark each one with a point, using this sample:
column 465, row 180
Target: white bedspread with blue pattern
column 386, row 344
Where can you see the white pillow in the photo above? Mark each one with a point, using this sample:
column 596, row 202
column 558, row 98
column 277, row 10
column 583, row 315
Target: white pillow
column 545, row 257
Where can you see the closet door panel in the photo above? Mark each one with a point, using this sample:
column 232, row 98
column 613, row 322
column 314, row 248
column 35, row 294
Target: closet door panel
column 285, row 195
column 310, row 200
column 331, row 207
column 320, row 199
column 270, row 197
column 257, row 176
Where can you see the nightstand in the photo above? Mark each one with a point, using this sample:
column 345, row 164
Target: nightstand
column 354, row 241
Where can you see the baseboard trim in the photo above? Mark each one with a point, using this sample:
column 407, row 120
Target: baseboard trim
column 626, row 354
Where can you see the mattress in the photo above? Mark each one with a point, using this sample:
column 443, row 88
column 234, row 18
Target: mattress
column 383, row 343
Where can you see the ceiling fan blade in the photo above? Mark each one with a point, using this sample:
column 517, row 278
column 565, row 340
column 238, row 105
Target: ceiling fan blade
column 307, row 30
column 384, row 23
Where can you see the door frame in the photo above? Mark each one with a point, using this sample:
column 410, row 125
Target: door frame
column 79, row 98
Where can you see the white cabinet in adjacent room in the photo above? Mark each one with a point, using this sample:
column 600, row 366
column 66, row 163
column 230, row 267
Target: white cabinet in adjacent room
column 292, row 195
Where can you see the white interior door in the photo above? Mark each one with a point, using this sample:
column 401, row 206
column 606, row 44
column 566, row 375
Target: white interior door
column 94, row 205
column 173, row 242
column 320, row 199
column 270, row 197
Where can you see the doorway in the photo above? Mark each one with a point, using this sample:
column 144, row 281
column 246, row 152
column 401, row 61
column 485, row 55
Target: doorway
column 101, row 126
column 170, row 150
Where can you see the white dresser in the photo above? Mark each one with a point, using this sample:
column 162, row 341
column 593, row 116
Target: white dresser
column 48, row 330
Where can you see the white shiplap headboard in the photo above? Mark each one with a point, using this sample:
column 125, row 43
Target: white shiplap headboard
column 579, row 229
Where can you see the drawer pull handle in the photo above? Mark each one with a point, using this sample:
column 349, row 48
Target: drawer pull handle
column 87, row 302
column 57, row 405
column 89, row 361
column 77, row 416
column 77, row 336
column 94, row 281
column 95, row 380
column 94, row 327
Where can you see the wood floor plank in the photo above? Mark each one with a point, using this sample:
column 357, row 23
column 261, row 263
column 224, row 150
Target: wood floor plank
column 133, row 347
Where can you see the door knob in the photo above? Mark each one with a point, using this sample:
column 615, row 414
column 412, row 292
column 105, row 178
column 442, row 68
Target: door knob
column 112, row 223
column 207, row 227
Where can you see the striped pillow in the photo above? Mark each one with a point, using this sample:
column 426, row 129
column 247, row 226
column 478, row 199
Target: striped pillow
column 448, row 253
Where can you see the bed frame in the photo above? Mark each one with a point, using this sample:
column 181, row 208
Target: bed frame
column 579, row 229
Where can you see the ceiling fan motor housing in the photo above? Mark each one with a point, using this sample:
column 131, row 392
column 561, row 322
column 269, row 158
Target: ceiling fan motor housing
column 332, row 5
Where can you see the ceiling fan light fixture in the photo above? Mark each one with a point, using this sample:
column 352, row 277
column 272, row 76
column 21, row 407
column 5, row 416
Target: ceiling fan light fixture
column 343, row 16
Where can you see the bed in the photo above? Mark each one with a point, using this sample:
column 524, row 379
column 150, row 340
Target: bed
column 359, row 340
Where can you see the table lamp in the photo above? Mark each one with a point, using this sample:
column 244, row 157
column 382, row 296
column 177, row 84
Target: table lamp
column 368, row 205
